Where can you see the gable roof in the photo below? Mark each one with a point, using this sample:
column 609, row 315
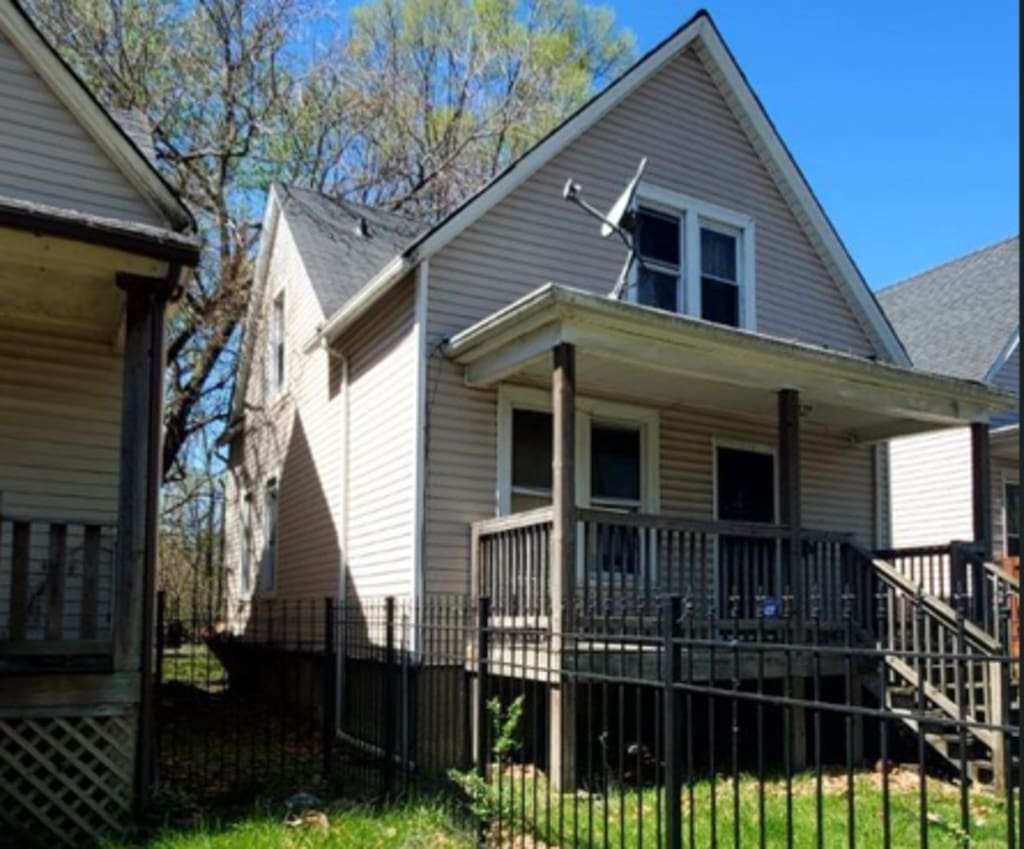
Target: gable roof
column 960, row 318
column 339, row 257
column 97, row 121
column 700, row 32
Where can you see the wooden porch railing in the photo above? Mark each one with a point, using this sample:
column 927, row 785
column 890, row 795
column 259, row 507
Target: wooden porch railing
column 944, row 572
column 56, row 588
column 627, row 562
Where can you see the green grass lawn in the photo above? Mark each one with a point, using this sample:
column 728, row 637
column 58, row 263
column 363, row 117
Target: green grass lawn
column 193, row 664
column 410, row 826
column 632, row 819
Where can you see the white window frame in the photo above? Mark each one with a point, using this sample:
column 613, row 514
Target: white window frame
column 277, row 380
column 587, row 409
column 268, row 586
column 245, row 560
column 695, row 214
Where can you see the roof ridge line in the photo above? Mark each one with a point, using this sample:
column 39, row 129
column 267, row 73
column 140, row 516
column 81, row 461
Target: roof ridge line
column 948, row 262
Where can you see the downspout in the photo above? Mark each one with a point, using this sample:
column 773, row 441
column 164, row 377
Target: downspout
column 419, row 447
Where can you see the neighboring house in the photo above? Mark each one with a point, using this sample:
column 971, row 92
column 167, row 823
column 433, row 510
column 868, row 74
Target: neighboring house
column 461, row 407
column 93, row 243
column 961, row 319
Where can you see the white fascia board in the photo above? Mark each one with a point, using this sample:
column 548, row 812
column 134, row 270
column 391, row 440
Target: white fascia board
column 81, row 103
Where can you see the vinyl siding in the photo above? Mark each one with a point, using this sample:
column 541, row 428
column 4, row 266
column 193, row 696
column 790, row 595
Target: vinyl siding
column 1003, row 472
column 930, row 488
column 47, row 157
column 300, row 438
column 696, row 147
column 60, row 436
column 381, row 356
column 296, row 437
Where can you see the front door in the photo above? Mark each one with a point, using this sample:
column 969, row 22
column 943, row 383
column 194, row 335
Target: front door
column 745, row 492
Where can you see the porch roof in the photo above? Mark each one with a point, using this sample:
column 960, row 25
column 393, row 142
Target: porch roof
column 650, row 356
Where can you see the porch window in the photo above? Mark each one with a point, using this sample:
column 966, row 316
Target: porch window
column 1012, row 508
column 615, row 466
column 695, row 258
column 268, row 575
column 531, row 459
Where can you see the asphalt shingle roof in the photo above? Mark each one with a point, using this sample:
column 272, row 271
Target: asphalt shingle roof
column 957, row 318
column 340, row 256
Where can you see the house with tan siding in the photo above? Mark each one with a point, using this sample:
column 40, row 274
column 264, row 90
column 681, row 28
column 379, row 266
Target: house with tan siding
column 962, row 319
column 94, row 245
column 505, row 404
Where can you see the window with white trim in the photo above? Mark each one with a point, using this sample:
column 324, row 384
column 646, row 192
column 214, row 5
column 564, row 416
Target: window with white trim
column 245, row 570
column 276, row 354
column 268, row 574
column 694, row 258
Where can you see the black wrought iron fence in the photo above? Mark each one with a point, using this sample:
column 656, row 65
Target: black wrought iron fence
column 685, row 729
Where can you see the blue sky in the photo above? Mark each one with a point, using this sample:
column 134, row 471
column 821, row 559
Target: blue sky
column 903, row 115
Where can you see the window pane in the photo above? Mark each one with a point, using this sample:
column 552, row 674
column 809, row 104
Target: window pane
column 657, row 289
column 658, row 236
column 746, row 486
column 522, row 501
column 1012, row 520
column 614, row 462
column 718, row 254
column 720, row 302
column 531, row 449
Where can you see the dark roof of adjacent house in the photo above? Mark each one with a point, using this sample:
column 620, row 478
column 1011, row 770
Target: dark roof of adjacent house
column 137, row 127
column 957, row 318
column 342, row 244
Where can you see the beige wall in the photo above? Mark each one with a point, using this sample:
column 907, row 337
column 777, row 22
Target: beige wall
column 296, row 437
column 47, row 157
column 60, row 435
column 300, row 437
column 930, row 490
column 696, row 147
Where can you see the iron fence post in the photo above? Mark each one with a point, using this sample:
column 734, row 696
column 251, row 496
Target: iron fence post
column 389, row 692
column 330, row 709
column 670, row 628
column 480, row 757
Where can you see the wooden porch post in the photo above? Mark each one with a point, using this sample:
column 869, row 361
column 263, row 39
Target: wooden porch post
column 791, row 518
column 561, row 699
column 138, row 502
column 981, row 486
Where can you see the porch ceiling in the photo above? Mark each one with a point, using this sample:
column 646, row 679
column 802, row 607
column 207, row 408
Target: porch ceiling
column 1006, row 443
column 65, row 284
column 634, row 353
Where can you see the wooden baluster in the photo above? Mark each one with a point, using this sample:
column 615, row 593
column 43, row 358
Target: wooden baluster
column 56, row 572
column 90, row 581
column 21, row 541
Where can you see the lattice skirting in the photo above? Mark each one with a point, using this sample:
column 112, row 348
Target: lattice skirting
column 65, row 779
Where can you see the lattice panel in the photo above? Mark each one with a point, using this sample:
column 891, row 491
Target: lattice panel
column 65, row 779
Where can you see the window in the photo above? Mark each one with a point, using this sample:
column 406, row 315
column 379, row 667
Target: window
column 719, row 279
column 659, row 277
column 276, row 355
column 531, row 459
column 615, row 465
column 268, row 575
column 1012, row 508
column 693, row 258
column 245, row 571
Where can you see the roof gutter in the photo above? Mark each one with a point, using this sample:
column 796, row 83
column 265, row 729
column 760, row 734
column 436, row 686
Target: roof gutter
column 379, row 285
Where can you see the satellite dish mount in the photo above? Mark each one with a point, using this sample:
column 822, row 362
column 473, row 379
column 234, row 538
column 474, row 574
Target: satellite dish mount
column 619, row 219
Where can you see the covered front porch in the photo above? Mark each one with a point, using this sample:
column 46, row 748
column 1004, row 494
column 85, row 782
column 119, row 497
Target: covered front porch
column 772, row 531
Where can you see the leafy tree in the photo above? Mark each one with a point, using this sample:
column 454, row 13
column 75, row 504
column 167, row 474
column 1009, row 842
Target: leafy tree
column 412, row 105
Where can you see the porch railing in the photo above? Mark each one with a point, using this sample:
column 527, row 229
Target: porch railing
column 626, row 562
column 56, row 588
column 945, row 572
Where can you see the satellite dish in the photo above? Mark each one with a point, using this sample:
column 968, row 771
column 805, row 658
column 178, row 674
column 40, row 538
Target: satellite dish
column 613, row 220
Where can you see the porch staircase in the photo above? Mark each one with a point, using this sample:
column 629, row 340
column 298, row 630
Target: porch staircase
column 945, row 669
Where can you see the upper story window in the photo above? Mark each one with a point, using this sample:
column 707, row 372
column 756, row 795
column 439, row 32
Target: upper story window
column 277, row 353
column 268, row 574
column 695, row 258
